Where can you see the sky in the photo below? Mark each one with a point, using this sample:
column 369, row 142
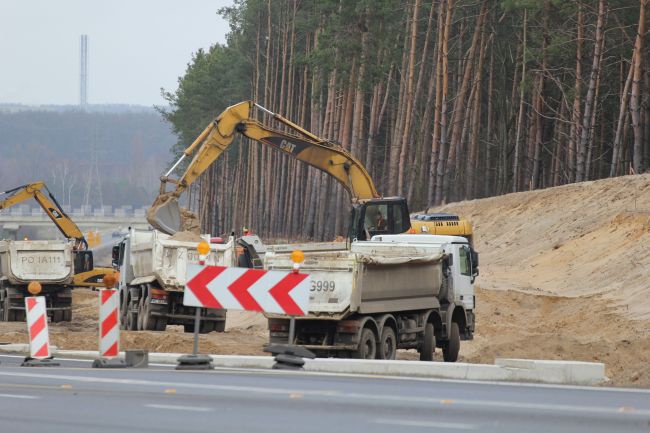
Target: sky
column 135, row 47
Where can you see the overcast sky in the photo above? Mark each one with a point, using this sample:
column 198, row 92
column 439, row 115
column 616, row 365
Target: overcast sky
column 135, row 47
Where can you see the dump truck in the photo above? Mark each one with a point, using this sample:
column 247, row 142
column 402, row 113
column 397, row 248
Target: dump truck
column 51, row 263
column 370, row 298
column 152, row 268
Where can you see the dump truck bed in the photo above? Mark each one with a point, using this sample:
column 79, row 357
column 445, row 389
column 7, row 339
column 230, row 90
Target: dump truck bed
column 369, row 277
column 48, row 262
column 155, row 256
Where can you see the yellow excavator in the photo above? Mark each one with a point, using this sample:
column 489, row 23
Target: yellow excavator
column 372, row 214
column 86, row 275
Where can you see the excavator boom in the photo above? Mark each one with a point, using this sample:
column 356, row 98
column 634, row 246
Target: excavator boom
column 48, row 203
column 165, row 213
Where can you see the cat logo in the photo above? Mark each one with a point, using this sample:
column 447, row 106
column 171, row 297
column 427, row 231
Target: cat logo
column 287, row 146
column 55, row 212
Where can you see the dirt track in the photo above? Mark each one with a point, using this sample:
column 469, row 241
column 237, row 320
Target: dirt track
column 564, row 275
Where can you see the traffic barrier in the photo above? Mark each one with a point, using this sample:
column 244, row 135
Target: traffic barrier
column 109, row 330
column 39, row 336
column 253, row 290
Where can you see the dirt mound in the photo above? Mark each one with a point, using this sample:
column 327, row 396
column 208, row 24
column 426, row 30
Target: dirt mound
column 582, row 239
column 186, row 236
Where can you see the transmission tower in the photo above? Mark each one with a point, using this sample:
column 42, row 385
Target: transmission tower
column 94, row 182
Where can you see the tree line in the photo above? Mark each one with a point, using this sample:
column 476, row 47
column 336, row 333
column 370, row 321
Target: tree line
column 85, row 158
column 442, row 100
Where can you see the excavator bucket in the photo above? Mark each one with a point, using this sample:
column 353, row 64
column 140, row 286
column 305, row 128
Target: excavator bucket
column 165, row 214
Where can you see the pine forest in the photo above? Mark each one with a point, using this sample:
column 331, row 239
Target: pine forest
column 442, row 100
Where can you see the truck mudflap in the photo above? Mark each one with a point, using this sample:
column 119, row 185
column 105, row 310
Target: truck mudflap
column 338, row 347
column 190, row 317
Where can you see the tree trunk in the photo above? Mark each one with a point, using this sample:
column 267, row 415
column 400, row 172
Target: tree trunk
column 589, row 99
column 638, row 164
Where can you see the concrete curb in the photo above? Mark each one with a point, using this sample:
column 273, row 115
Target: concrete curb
column 510, row 370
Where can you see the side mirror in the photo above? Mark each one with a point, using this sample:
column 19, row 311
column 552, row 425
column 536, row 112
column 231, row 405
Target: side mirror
column 474, row 258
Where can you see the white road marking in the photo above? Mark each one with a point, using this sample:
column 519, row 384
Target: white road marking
column 176, row 407
column 351, row 396
column 25, row 397
column 433, row 424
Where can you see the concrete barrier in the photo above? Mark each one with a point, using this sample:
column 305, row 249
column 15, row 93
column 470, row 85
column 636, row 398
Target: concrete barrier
column 511, row 370
column 575, row 372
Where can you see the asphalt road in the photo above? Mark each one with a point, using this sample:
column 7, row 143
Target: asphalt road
column 76, row 398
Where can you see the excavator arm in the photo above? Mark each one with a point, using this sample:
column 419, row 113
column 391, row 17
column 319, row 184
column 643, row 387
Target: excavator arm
column 50, row 206
column 166, row 215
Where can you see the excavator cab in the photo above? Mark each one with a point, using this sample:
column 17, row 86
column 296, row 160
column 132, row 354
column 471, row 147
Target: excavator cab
column 380, row 216
column 83, row 261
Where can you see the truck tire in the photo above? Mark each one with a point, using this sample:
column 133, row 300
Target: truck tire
column 57, row 316
column 4, row 306
column 428, row 346
column 150, row 322
column 67, row 315
column 367, row 348
column 451, row 347
column 11, row 315
column 206, row 327
column 387, row 344
column 220, row 326
column 131, row 317
column 124, row 308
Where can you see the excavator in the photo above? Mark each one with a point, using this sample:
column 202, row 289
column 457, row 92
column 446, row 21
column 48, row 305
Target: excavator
column 371, row 214
column 85, row 274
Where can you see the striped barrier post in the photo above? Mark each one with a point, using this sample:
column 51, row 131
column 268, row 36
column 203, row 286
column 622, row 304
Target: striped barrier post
column 39, row 337
column 109, row 327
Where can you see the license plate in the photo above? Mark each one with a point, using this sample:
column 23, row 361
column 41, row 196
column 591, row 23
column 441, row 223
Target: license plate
column 159, row 301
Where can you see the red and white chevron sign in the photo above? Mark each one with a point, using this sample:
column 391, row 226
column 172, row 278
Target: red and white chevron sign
column 247, row 289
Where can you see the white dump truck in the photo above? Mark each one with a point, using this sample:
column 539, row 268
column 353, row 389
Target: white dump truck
column 370, row 298
column 51, row 263
column 152, row 268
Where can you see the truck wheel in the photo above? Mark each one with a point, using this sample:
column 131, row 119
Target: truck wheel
column 367, row 345
column 451, row 347
column 57, row 316
column 149, row 322
column 67, row 315
column 4, row 306
column 206, row 327
column 7, row 314
column 220, row 326
column 387, row 344
column 428, row 346
column 188, row 327
column 131, row 322
column 161, row 323
column 140, row 315
column 124, row 309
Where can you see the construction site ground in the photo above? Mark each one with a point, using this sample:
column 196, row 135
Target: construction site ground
column 564, row 275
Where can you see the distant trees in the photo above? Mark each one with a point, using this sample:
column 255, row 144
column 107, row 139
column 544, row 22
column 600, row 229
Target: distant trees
column 132, row 150
column 441, row 99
